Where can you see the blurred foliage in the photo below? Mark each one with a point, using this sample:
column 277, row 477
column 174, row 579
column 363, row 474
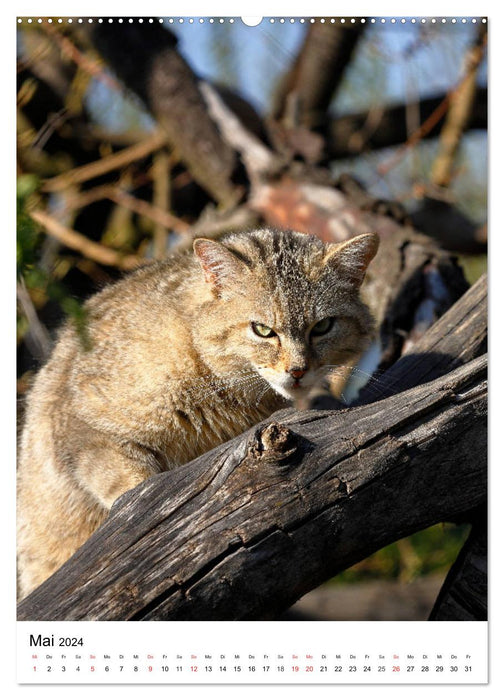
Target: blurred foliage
column 41, row 283
column 27, row 230
column 427, row 552
column 473, row 265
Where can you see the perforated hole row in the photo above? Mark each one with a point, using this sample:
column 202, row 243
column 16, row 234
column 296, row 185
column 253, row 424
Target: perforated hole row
column 253, row 21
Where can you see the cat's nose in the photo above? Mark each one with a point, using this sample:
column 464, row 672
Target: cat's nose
column 298, row 372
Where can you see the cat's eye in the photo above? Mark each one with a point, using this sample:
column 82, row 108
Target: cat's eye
column 322, row 327
column 262, row 331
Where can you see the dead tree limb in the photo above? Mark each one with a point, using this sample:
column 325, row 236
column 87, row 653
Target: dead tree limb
column 146, row 59
column 456, row 338
column 245, row 530
column 351, row 135
column 459, row 112
column 464, row 592
column 318, row 69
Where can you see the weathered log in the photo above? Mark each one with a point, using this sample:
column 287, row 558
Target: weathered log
column 457, row 337
column 464, row 592
column 245, row 530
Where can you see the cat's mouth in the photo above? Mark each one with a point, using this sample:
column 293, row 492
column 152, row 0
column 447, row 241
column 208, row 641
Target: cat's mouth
column 292, row 389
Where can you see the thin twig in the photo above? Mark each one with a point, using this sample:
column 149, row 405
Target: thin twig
column 459, row 112
column 444, row 106
column 116, row 194
column 161, row 199
column 67, row 47
column 105, row 165
column 49, row 127
column 140, row 206
column 41, row 340
column 416, row 136
column 95, row 251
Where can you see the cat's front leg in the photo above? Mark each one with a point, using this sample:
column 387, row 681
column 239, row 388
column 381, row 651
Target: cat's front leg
column 109, row 470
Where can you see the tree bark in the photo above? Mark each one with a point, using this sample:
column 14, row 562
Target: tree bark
column 457, row 337
column 464, row 592
column 146, row 59
column 316, row 74
column 245, row 530
column 305, row 494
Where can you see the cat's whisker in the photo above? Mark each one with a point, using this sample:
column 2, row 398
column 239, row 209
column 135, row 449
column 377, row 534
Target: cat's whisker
column 241, row 379
column 374, row 381
column 190, row 384
column 267, row 388
column 200, row 391
column 343, row 397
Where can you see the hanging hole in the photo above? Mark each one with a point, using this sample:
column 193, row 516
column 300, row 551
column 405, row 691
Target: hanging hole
column 251, row 21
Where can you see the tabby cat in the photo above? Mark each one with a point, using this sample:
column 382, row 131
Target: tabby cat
column 176, row 358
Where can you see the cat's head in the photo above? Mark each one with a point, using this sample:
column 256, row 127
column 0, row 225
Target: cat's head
column 285, row 304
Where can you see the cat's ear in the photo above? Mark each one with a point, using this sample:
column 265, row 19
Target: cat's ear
column 221, row 267
column 352, row 257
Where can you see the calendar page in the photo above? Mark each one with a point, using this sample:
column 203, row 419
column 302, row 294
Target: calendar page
column 251, row 349
column 240, row 652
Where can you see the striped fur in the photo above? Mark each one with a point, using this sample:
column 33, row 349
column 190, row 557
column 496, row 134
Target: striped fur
column 172, row 367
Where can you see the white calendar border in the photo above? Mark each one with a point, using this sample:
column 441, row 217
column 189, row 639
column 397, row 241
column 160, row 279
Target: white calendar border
column 277, row 8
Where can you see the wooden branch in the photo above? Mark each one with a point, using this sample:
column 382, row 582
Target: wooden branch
column 105, row 165
column 456, row 338
column 413, row 139
column 161, row 195
column 257, row 158
column 464, row 592
column 316, row 73
column 148, row 210
column 459, row 112
column 245, row 530
column 117, row 194
column 50, row 81
column 457, row 106
column 146, row 59
column 95, row 251
column 351, row 134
